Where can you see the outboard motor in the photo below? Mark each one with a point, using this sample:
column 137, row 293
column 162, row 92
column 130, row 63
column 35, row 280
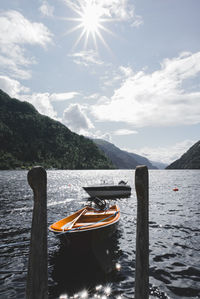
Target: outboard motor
column 101, row 204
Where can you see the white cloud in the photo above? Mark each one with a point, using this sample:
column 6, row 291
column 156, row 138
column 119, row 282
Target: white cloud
column 126, row 71
column 16, row 29
column 156, row 99
column 96, row 135
column 93, row 96
column 166, row 154
column 86, row 58
column 57, row 97
column 124, row 132
column 11, row 86
column 16, row 32
column 112, row 77
column 137, row 21
column 122, row 11
column 41, row 101
column 105, row 136
column 76, row 119
column 46, row 9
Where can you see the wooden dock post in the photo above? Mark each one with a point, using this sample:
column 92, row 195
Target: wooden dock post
column 37, row 277
column 142, row 234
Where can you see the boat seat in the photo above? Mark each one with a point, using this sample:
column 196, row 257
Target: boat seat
column 85, row 224
column 100, row 213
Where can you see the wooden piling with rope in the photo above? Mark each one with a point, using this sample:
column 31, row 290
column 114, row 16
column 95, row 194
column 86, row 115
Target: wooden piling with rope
column 37, row 277
column 142, row 233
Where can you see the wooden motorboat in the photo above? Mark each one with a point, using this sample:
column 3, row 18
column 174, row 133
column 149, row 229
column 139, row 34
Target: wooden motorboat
column 87, row 222
column 109, row 190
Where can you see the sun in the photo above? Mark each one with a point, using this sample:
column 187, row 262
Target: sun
column 90, row 21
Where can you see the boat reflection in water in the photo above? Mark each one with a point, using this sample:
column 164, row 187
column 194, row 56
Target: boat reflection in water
column 87, row 272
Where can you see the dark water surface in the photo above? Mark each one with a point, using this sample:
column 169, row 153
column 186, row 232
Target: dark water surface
column 109, row 270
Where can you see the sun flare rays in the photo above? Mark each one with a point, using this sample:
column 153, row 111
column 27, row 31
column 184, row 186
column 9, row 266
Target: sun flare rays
column 90, row 21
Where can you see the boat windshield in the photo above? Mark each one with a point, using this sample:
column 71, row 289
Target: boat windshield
column 106, row 182
column 122, row 183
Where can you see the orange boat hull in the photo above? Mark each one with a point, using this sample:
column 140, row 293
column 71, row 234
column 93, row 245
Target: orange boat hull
column 87, row 224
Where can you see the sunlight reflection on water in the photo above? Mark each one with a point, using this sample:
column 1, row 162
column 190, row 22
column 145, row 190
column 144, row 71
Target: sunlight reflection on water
column 174, row 236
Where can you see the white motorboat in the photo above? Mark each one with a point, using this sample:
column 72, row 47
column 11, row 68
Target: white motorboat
column 105, row 190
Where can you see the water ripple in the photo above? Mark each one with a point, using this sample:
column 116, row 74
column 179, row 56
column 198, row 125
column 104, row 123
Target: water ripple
column 174, row 236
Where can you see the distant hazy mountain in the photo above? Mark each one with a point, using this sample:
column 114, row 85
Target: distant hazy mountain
column 122, row 159
column 28, row 138
column 159, row 165
column 189, row 160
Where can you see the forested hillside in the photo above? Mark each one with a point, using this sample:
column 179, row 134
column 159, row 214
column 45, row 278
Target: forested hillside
column 28, row 138
column 120, row 158
column 189, row 160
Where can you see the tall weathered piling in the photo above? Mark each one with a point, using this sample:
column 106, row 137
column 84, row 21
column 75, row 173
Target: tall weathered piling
column 37, row 278
column 142, row 234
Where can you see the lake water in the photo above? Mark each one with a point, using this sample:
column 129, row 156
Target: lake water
column 174, row 236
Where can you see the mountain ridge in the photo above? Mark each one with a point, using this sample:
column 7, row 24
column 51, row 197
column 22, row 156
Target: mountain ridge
column 28, row 138
column 189, row 160
column 121, row 158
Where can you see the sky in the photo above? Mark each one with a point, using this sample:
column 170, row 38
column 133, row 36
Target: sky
column 122, row 70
